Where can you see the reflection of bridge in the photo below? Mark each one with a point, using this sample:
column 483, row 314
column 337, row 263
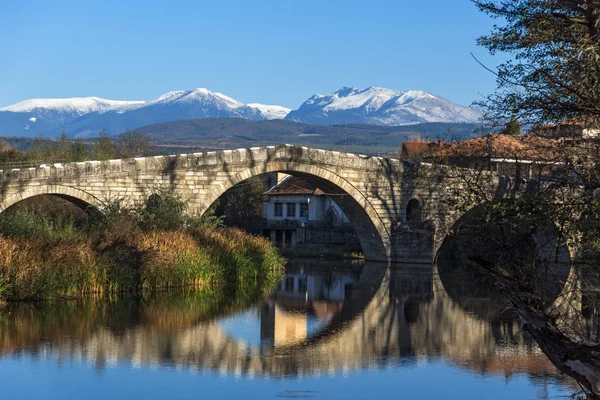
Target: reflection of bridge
column 374, row 192
column 392, row 315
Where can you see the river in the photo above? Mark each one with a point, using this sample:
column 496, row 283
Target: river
column 331, row 330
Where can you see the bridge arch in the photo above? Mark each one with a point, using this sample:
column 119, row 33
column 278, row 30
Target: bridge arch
column 558, row 277
column 78, row 197
column 373, row 234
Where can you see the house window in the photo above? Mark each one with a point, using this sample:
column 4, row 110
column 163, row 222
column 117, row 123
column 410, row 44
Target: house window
column 303, row 210
column 278, row 210
column 289, row 284
column 302, row 285
column 291, row 209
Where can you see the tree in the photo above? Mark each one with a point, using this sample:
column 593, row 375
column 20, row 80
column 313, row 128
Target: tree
column 242, row 204
column 555, row 73
column 512, row 127
column 554, row 77
column 62, row 151
column 4, row 146
column 135, row 144
column 10, row 155
column 104, row 147
column 41, row 149
column 79, row 151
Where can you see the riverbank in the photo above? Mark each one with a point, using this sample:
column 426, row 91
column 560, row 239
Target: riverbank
column 116, row 252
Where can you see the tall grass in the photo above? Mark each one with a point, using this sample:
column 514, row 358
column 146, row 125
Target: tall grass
column 3, row 289
column 149, row 249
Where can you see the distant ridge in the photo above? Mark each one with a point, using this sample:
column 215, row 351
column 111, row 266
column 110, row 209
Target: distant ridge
column 86, row 116
column 236, row 132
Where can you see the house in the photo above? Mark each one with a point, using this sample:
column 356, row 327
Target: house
column 524, row 156
column 412, row 151
column 295, row 210
column 573, row 128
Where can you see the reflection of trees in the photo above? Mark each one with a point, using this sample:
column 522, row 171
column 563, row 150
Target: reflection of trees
column 405, row 313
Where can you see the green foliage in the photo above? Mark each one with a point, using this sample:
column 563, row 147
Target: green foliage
column 512, row 127
column 242, row 204
column 3, row 287
column 208, row 220
column 46, row 252
column 12, row 156
column 104, row 148
column 61, row 150
column 164, row 209
column 79, row 151
column 41, row 150
column 4, row 146
column 556, row 48
column 135, row 144
column 27, row 223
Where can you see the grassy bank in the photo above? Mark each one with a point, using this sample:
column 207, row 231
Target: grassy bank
column 156, row 247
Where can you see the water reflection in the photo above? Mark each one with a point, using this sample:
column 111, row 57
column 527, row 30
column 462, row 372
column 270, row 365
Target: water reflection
column 305, row 303
column 322, row 319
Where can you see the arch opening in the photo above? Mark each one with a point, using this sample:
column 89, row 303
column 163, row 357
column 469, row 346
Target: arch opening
column 344, row 203
column 79, row 198
column 481, row 263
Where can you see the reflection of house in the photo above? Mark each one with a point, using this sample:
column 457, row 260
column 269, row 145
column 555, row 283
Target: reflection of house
column 303, row 305
column 293, row 205
column 330, row 286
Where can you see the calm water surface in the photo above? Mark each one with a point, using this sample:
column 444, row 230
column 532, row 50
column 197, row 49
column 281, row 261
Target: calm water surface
column 330, row 331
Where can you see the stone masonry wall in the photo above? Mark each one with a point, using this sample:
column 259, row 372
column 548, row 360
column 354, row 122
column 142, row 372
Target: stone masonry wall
column 372, row 191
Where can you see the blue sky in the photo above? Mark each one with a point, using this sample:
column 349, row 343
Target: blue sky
column 272, row 52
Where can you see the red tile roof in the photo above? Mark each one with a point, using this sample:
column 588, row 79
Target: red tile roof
column 418, row 149
column 293, row 185
column 498, row 145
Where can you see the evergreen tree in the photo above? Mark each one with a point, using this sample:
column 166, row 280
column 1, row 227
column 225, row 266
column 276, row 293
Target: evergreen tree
column 512, row 127
column 79, row 151
column 104, row 147
column 62, row 151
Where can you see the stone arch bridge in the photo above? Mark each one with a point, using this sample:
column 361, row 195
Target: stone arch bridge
column 374, row 192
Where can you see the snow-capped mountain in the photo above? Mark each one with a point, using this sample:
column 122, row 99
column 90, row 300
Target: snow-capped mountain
column 380, row 106
column 36, row 116
column 82, row 117
column 270, row 112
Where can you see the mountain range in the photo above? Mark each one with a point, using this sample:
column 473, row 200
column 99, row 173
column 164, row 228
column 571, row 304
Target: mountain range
column 85, row 117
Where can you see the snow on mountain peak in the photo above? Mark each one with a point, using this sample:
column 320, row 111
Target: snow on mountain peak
column 198, row 95
column 270, row 112
column 380, row 106
column 84, row 116
column 169, row 96
column 79, row 105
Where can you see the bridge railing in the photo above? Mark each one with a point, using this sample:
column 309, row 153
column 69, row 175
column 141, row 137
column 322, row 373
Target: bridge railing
column 9, row 165
column 29, row 169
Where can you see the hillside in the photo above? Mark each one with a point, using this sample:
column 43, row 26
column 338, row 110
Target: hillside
column 235, row 132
